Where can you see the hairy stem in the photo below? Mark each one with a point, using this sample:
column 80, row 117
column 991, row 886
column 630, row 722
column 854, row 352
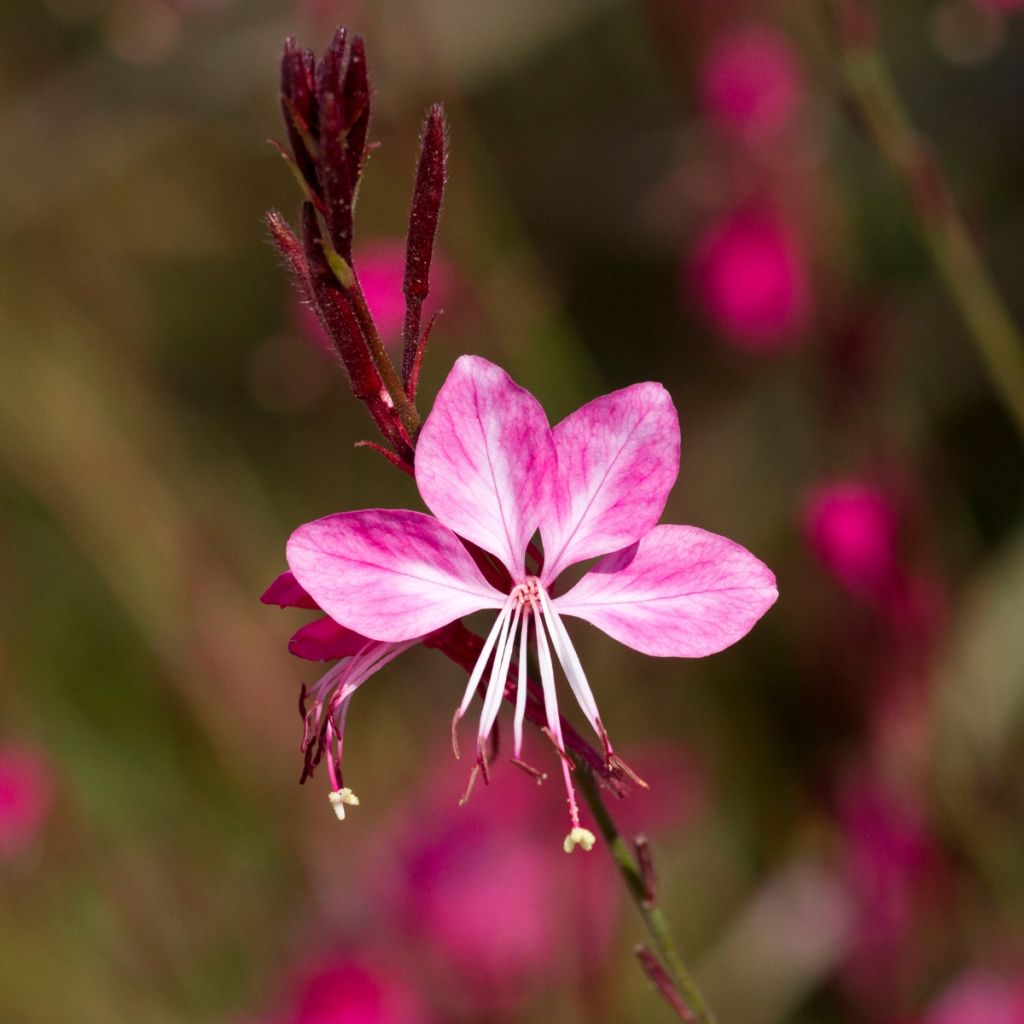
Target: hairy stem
column 957, row 258
column 639, row 890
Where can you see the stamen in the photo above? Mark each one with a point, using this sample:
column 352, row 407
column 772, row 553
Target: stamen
column 340, row 798
column 485, row 653
column 517, row 722
column 547, row 678
column 579, row 837
column 572, row 668
column 499, row 673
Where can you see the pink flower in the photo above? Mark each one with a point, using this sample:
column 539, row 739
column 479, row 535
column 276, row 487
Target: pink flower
column 26, row 794
column 346, row 991
column 750, row 82
column 891, row 862
column 380, row 265
column 494, row 472
column 853, row 527
column 475, row 887
column 980, row 997
column 752, row 280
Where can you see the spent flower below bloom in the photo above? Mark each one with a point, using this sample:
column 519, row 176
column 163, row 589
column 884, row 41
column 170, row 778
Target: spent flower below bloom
column 494, row 473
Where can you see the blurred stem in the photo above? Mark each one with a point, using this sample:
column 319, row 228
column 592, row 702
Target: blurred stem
column 652, row 914
column 952, row 249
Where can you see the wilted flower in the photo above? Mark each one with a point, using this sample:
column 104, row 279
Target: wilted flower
column 750, row 82
column 751, row 277
column 853, row 527
column 493, row 472
column 26, row 793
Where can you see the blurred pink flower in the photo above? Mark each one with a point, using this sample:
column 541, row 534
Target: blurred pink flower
column 348, row 991
column 26, row 795
column 479, row 887
column 1004, row 6
column 853, row 527
column 750, row 82
column 380, row 265
column 979, row 997
column 751, row 277
column 890, row 860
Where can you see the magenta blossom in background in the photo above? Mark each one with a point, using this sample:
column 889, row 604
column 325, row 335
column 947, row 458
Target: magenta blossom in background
column 494, row 473
column 853, row 527
column 347, row 991
column 380, row 265
column 891, row 862
column 751, row 278
column 476, row 889
column 750, row 82
column 980, row 997
column 26, row 795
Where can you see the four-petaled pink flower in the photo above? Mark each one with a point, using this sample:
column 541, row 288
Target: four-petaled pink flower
column 494, row 473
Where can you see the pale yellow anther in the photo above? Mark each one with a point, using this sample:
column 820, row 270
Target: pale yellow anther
column 340, row 799
column 579, row 837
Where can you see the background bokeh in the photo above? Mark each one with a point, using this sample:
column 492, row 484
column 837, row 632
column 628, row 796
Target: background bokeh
column 669, row 190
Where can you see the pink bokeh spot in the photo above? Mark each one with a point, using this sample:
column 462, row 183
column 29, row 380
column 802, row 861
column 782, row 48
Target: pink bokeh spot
column 980, row 997
column 345, row 991
column 380, row 265
column 751, row 276
column 26, row 795
column 477, row 888
column 853, row 527
column 750, row 83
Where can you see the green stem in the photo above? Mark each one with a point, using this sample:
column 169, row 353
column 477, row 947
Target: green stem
column 952, row 249
column 652, row 914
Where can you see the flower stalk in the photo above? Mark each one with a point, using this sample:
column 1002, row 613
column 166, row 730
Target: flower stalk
column 953, row 251
column 636, row 873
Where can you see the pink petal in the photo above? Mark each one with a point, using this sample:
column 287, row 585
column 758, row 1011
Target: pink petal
column 680, row 592
column 326, row 640
column 618, row 458
column 285, row 592
column 390, row 574
column 485, row 460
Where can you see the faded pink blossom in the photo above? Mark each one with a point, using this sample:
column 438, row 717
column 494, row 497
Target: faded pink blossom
column 891, row 858
column 350, row 991
column 980, row 997
column 853, row 527
column 26, row 795
column 476, row 888
column 751, row 276
column 750, row 82
column 494, row 472
column 1004, row 6
column 380, row 265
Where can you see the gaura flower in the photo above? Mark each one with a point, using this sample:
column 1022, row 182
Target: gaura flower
column 494, row 473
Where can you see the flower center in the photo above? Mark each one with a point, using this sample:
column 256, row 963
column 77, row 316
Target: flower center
column 526, row 595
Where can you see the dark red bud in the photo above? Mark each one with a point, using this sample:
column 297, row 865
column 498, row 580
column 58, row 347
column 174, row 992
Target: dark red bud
column 424, row 214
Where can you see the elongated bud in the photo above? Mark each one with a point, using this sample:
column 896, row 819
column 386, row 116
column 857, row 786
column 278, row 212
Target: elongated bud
column 423, row 217
column 343, row 99
column 299, row 106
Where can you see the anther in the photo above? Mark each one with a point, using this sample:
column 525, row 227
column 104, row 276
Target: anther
column 579, row 837
column 342, row 798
